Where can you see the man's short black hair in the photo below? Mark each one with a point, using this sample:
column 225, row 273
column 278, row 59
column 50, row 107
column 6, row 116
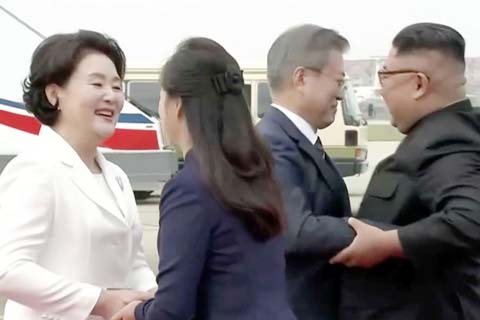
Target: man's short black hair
column 431, row 36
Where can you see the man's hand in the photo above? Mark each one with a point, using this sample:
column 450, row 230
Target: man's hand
column 111, row 301
column 151, row 293
column 370, row 247
column 128, row 312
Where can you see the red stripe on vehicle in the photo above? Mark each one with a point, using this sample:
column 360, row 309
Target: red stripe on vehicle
column 129, row 139
column 122, row 139
column 21, row 122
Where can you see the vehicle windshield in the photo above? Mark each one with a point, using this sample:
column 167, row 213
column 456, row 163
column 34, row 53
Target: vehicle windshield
column 350, row 108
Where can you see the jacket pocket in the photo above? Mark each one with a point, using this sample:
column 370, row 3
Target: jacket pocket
column 383, row 186
column 381, row 203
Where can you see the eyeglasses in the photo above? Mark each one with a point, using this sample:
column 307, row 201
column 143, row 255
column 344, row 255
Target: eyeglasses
column 383, row 74
column 340, row 82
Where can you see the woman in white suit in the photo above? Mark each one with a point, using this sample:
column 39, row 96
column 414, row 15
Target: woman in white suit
column 69, row 227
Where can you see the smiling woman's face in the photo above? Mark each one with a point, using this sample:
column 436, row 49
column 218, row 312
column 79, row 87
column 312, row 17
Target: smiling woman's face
column 91, row 100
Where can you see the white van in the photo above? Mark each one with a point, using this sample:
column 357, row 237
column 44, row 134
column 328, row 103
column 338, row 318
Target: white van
column 345, row 140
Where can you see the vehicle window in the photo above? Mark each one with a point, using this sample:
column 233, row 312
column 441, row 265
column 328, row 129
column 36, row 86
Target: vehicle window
column 145, row 94
column 247, row 93
column 350, row 107
column 264, row 100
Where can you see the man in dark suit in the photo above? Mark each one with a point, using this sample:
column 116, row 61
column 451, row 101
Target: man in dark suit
column 305, row 73
column 427, row 266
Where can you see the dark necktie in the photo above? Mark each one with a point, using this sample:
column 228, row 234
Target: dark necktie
column 319, row 147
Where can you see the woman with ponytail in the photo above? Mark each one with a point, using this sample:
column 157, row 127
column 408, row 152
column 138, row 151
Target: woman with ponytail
column 220, row 242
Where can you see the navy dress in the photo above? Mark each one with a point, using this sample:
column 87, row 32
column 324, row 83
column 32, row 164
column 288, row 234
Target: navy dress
column 210, row 267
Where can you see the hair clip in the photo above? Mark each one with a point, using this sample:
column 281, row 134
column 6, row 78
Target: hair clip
column 228, row 82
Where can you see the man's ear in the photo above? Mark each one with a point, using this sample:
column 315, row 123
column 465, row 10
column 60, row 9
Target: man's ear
column 421, row 86
column 298, row 77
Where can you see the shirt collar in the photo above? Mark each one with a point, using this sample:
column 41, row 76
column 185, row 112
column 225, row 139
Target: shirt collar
column 301, row 124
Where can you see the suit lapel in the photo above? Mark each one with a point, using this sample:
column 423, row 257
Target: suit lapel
column 328, row 172
column 85, row 181
column 79, row 173
column 343, row 194
column 115, row 182
column 325, row 169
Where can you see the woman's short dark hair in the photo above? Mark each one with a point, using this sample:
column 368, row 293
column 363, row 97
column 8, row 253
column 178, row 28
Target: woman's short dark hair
column 55, row 60
column 236, row 165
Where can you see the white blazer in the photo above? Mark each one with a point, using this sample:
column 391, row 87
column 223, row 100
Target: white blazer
column 61, row 239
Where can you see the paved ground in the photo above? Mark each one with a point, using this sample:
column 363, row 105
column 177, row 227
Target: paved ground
column 149, row 208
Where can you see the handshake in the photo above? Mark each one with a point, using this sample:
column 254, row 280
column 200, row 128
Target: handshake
column 119, row 304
